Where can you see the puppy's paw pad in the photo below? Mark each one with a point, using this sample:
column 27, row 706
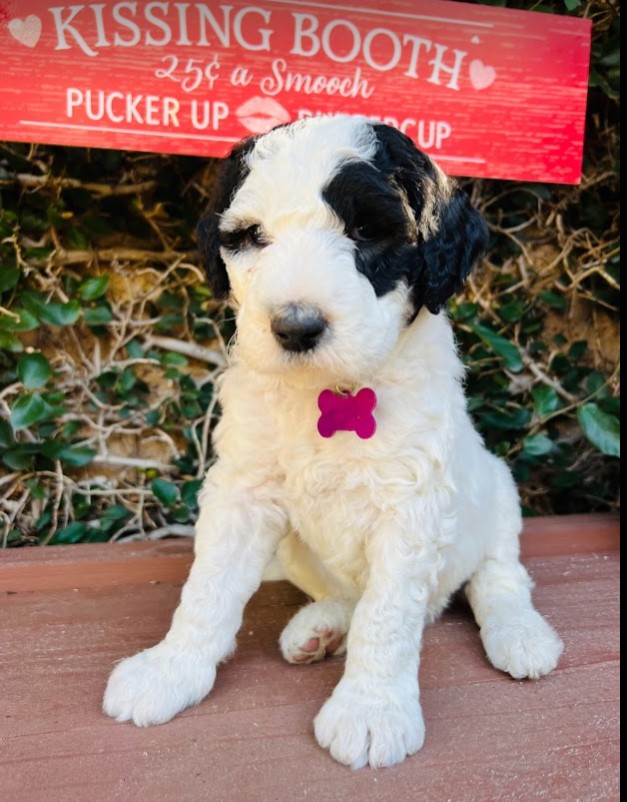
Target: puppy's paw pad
column 320, row 645
column 153, row 686
column 317, row 630
column 526, row 647
column 379, row 731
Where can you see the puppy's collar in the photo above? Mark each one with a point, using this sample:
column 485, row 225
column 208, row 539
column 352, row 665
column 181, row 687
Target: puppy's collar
column 340, row 410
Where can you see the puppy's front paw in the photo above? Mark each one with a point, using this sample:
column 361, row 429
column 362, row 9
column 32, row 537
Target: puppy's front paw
column 156, row 684
column 379, row 728
column 525, row 646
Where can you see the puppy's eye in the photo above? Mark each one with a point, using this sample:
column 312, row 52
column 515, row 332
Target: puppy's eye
column 241, row 238
column 254, row 235
column 365, row 232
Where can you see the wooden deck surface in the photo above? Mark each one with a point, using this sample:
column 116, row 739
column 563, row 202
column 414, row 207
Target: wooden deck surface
column 68, row 613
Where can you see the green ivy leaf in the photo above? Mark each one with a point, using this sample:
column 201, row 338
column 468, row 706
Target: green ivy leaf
column 167, row 300
column 610, row 405
column 191, row 410
column 189, row 492
column 545, row 399
column 553, row 299
column 535, row 445
column 595, row 384
column 98, row 536
column 76, row 456
column 37, row 253
column 153, row 417
column 98, row 315
column 134, row 349
column 18, row 459
column 77, row 239
column 172, row 360
column 25, row 321
column 512, row 311
column 20, row 456
column 127, row 380
column 463, row 311
column 28, row 409
column 51, row 448
column 181, row 514
column 6, row 434
column 33, row 370
column 73, row 533
column 53, row 312
column 117, row 512
column 165, row 491
column 170, row 321
column 43, row 521
column 37, row 490
column 601, row 429
column 516, row 419
column 9, row 276
column 577, row 350
column 508, row 351
column 173, row 374
column 71, row 428
column 93, row 288
column 10, row 343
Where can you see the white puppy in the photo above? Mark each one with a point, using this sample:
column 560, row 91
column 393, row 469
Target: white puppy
column 338, row 243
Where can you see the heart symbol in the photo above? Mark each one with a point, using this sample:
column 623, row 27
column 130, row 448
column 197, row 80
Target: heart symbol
column 481, row 75
column 27, row 31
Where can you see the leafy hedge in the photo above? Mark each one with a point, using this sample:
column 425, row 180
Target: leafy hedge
column 110, row 342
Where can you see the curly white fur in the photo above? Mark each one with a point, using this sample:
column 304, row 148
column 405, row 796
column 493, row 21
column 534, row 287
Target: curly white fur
column 379, row 532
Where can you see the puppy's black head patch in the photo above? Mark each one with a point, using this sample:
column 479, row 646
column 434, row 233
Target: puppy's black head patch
column 230, row 176
column 443, row 259
column 383, row 204
column 371, row 209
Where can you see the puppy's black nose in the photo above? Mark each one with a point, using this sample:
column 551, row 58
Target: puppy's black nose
column 298, row 327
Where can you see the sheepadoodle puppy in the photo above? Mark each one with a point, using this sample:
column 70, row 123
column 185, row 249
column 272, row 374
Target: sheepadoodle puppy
column 344, row 448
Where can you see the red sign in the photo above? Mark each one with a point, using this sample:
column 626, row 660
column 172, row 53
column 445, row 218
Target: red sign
column 487, row 92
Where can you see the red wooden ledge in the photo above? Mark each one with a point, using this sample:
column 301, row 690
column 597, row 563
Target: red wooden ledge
column 68, row 613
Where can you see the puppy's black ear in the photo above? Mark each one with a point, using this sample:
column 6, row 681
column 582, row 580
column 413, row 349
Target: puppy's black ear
column 452, row 235
column 449, row 254
column 229, row 177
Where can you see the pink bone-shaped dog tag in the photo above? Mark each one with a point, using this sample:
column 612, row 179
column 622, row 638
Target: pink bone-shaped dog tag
column 347, row 412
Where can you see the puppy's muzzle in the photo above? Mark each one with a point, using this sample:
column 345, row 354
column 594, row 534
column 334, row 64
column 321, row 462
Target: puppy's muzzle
column 298, row 327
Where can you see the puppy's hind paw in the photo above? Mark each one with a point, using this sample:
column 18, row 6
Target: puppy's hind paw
column 317, row 630
column 153, row 686
column 322, row 643
column 525, row 647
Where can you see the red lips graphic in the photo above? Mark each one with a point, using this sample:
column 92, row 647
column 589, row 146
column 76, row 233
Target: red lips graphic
column 259, row 114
